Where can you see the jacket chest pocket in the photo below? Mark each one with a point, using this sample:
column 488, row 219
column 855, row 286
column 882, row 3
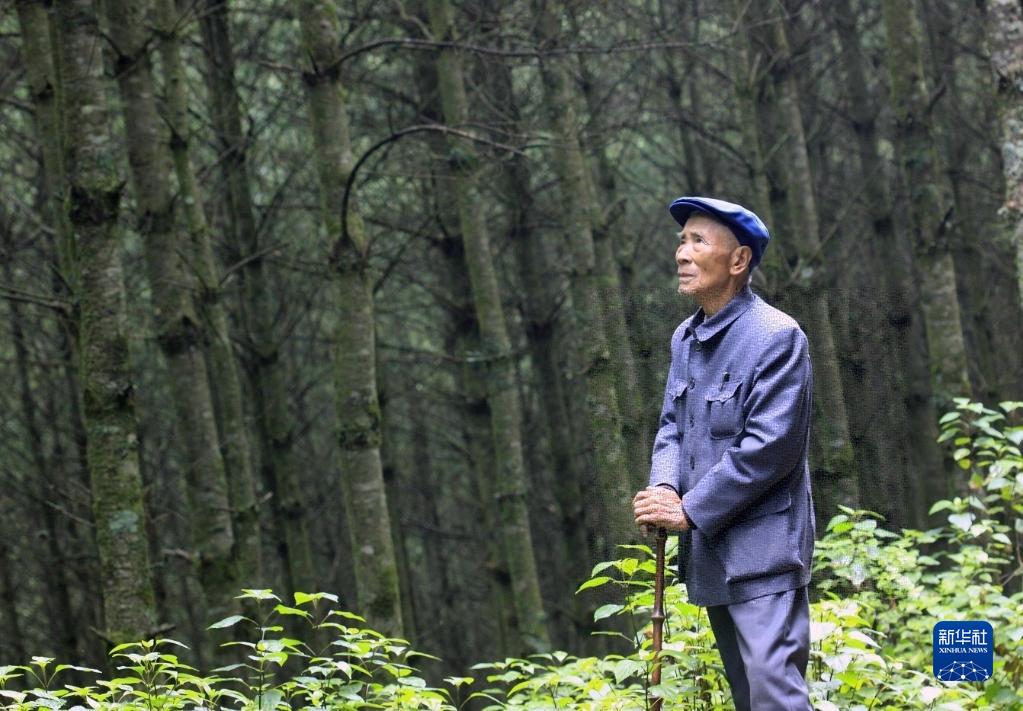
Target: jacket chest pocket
column 724, row 411
column 679, row 398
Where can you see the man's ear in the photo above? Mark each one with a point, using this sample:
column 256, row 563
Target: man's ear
column 740, row 260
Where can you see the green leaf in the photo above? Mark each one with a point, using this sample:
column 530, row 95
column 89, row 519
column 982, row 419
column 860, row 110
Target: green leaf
column 949, row 417
column 348, row 615
column 606, row 611
column 626, row 668
column 837, row 519
column 264, row 594
column 228, row 622
column 940, row 506
column 269, row 700
column 594, row 583
column 302, row 598
column 962, row 521
column 285, row 610
column 457, row 681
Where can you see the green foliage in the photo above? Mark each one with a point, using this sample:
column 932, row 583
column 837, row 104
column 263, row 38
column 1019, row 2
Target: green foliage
column 879, row 594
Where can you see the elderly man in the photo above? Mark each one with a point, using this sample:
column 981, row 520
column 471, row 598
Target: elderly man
column 733, row 441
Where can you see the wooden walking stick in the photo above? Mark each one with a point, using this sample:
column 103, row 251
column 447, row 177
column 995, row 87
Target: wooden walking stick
column 658, row 615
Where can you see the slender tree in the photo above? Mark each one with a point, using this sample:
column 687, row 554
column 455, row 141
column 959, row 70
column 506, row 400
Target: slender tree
column 1005, row 32
column 615, row 482
column 179, row 331
column 358, row 410
column 929, row 196
column 277, row 431
column 94, row 189
column 798, row 223
column 911, row 417
column 509, row 484
column 225, row 382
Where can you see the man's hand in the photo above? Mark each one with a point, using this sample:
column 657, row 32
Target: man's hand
column 659, row 507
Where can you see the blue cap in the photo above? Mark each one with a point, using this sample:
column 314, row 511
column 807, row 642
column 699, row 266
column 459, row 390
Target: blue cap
column 749, row 229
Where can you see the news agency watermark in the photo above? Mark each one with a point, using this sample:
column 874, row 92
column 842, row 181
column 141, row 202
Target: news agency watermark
column 964, row 650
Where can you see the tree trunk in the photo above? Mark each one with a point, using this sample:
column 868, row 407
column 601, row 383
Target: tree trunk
column 509, row 482
column 179, row 332
column 36, row 28
column 909, row 417
column 615, row 484
column 541, row 295
column 56, row 589
column 358, row 410
column 112, row 449
column 277, row 435
column 929, row 194
column 225, row 383
column 607, row 210
column 804, row 289
column 1005, row 30
column 12, row 647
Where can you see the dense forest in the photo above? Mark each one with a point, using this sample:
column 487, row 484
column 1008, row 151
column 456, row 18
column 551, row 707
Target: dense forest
column 375, row 298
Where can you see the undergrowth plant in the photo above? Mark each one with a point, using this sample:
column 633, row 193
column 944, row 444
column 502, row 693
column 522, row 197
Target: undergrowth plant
column 876, row 597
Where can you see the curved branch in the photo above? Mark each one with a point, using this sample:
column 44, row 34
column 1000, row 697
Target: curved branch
column 419, row 128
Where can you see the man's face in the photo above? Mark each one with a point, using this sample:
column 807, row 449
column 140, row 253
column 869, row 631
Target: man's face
column 705, row 257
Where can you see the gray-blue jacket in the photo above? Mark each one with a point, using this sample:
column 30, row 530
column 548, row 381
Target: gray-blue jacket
column 733, row 439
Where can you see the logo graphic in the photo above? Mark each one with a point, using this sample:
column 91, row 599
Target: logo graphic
column 964, row 650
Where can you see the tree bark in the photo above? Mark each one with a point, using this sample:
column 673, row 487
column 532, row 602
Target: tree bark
column 225, row 383
column 179, row 332
column 277, row 435
column 606, row 211
column 358, row 408
column 603, row 411
column 929, row 193
column 542, row 293
column 509, row 483
column 94, row 189
column 1005, row 30
column 909, row 417
column 799, row 241
column 56, row 588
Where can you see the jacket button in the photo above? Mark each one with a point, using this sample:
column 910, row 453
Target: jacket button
column 697, row 345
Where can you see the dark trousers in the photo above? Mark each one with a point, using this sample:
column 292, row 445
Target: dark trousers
column 765, row 645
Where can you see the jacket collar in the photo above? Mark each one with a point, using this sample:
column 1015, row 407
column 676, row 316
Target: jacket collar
column 706, row 327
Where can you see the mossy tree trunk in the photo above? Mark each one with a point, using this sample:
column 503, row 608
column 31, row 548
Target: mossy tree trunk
column 897, row 382
column 180, row 333
column 798, row 241
column 542, row 291
column 1005, row 33
column 358, row 409
column 509, row 483
column 930, row 198
column 40, row 63
column 277, row 430
column 94, row 189
column 225, row 382
column 461, row 337
column 615, row 483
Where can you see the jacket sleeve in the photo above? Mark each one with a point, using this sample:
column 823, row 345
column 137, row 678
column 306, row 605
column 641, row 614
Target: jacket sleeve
column 664, row 465
column 773, row 439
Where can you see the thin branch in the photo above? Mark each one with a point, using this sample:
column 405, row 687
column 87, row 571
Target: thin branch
column 25, row 297
column 421, row 128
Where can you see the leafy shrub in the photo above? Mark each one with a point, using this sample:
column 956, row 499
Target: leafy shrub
column 878, row 595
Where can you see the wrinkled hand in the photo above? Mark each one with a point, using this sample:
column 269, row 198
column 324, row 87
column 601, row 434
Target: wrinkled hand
column 659, row 507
